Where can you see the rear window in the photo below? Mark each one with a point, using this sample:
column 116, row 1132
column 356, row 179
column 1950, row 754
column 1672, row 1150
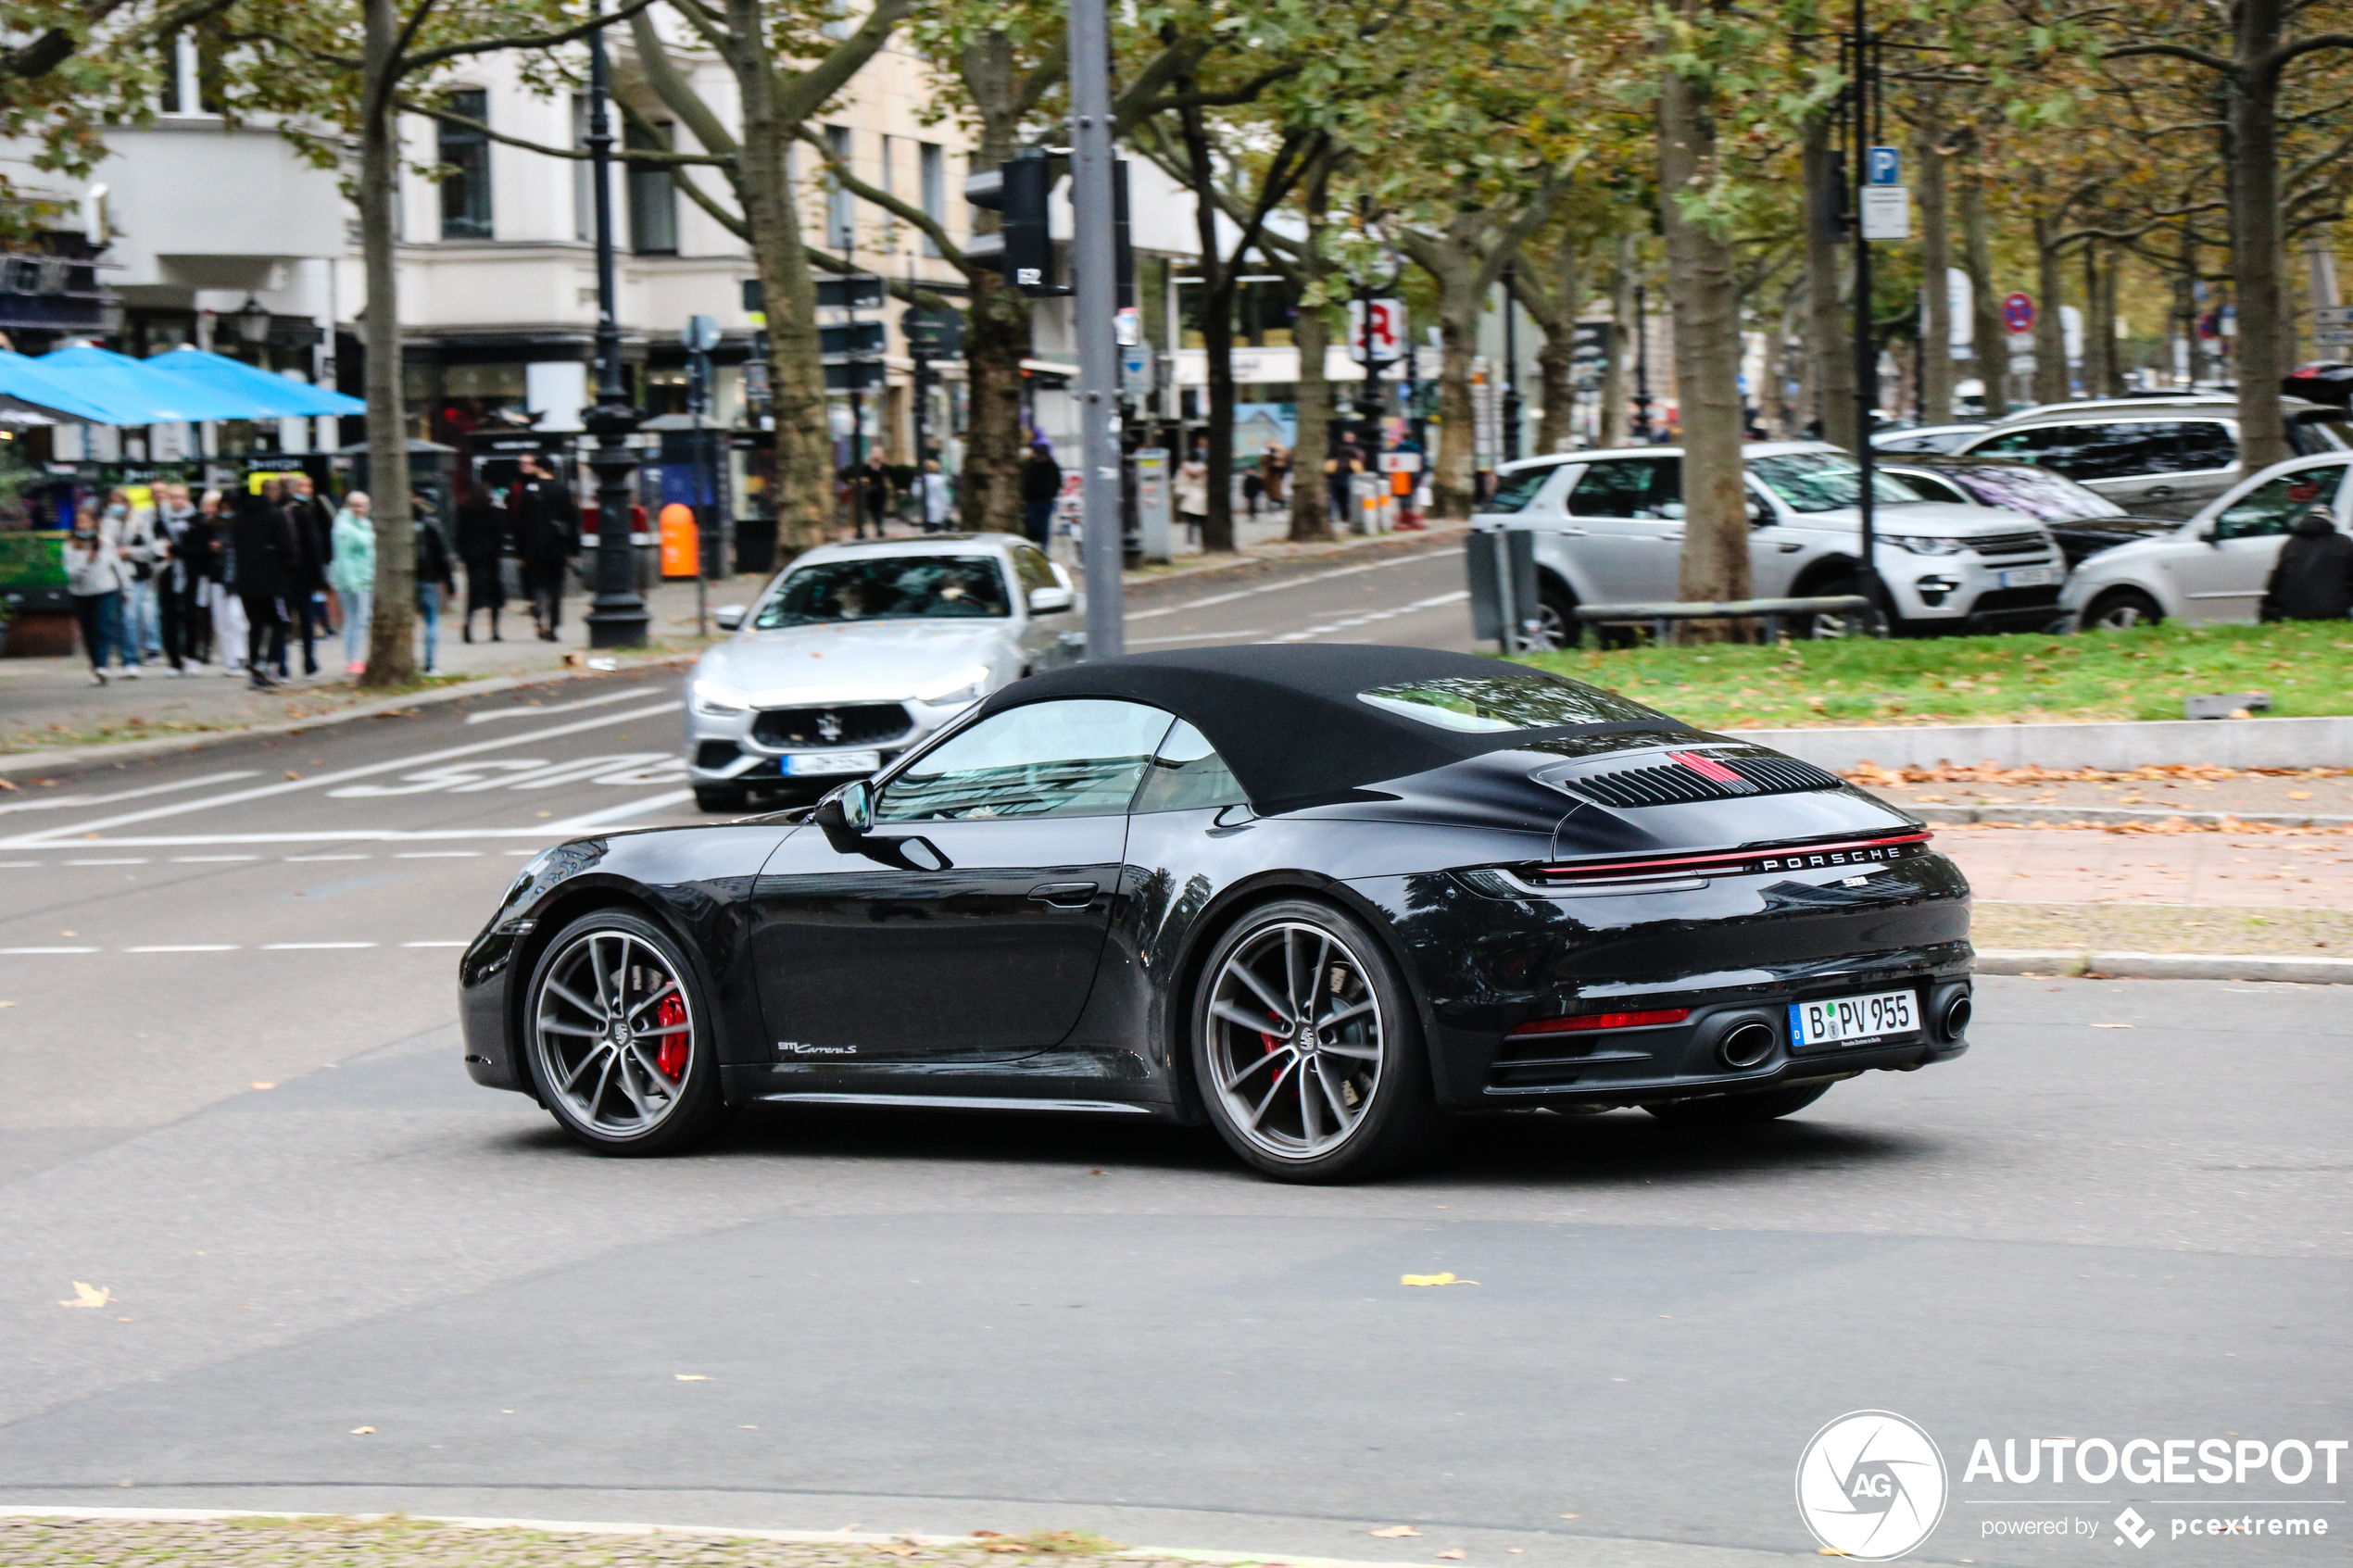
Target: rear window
column 1644, row 488
column 1489, row 704
column 2309, row 438
column 1513, row 491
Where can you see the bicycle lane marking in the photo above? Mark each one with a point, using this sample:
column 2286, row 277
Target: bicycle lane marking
column 58, row 836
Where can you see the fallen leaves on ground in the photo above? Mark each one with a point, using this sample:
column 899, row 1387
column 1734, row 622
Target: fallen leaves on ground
column 1393, row 1531
column 89, row 1296
column 362, row 1431
column 1433, row 1279
column 1456, row 1555
column 257, row 1083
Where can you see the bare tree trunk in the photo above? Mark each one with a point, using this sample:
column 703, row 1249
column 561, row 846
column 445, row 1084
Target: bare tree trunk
column 1618, row 364
column 1555, row 311
column 1989, row 341
column 2255, row 234
column 1830, row 341
column 997, row 325
column 1454, row 484
column 392, row 659
column 1705, row 296
column 2050, row 340
column 2099, row 323
column 1936, row 260
column 1216, row 335
column 1311, row 516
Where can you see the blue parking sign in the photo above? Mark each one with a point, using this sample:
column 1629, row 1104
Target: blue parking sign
column 1883, row 166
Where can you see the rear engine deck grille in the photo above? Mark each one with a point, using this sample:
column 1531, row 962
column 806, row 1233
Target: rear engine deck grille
column 1673, row 783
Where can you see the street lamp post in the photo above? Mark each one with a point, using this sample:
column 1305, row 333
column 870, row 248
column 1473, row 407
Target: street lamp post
column 1094, row 260
column 1511, row 365
column 1642, row 366
column 617, row 619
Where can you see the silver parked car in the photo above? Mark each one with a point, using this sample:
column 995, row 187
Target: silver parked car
column 1608, row 529
column 2213, row 566
column 857, row 652
column 2161, row 457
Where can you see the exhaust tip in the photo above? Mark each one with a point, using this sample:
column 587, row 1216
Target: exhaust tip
column 1956, row 1016
column 1748, row 1045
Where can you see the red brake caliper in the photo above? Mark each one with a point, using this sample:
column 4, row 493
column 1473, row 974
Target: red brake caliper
column 671, row 1056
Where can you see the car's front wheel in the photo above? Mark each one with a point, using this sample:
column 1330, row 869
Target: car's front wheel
column 621, row 1044
column 2120, row 609
column 1308, row 1050
column 1872, row 622
column 1739, row 1110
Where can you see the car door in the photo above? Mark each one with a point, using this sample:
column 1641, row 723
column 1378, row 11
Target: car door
column 967, row 922
column 2220, row 577
column 2123, row 459
column 1631, row 510
column 1777, row 551
column 2201, row 463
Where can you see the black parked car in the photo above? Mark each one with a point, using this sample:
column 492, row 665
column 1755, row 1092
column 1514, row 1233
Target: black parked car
column 1317, row 897
column 2083, row 520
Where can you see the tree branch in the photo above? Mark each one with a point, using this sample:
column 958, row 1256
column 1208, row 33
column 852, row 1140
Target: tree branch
column 672, row 88
column 808, row 92
column 429, row 58
column 915, row 216
column 2172, row 51
column 651, row 157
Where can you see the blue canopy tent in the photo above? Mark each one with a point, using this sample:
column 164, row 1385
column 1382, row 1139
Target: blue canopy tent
column 24, row 385
column 131, row 394
column 271, row 397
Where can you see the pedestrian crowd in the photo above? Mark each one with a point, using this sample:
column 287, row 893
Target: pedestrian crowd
column 245, row 580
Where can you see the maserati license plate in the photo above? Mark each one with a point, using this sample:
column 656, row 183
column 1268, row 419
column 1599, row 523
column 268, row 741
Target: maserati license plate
column 2031, row 577
column 802, row 766
column 1846, row 1021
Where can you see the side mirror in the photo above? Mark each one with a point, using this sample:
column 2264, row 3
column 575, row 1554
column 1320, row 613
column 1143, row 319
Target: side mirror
column 730, row 618
column 2210, row 536
column 846, row 814
column 1050, row 601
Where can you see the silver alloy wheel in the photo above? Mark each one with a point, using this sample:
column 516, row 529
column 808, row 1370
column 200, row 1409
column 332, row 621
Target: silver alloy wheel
column 1551, row 631
column 2120, row 616
column 1295, row 1040
column 614, row 1033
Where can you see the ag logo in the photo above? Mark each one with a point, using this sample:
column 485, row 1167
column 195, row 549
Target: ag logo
column 1871, row 1485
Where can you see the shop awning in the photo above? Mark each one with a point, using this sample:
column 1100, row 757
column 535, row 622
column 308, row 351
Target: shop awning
column 271, row 397
column 23, row 384
column 127, row 392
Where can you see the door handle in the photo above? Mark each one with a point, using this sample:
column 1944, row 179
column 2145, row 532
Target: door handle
column 1065, row 894
column 2157, row 492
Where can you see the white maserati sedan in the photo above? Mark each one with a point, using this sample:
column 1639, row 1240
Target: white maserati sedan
column 856, row 652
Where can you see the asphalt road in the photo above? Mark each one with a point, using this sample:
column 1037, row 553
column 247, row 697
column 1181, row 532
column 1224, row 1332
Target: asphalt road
column 234, row 1107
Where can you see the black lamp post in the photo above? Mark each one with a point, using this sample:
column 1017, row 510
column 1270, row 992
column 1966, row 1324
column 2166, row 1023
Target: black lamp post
column 1511, row 364
column 1642, row 366
column 617, row 619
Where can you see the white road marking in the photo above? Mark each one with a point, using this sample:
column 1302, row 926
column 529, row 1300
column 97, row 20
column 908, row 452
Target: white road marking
column 307, row 860
column 621, row 813
column 20, row 865
column 552, row 708
column 311, row 947
column 437, row 855
column 1434, row 602
column 1288, row 583
column 1196, row 637
column 433, row 944
column 209, row 859
column 129, row 862
column 186, row 948
column 223, row 947
column 60, row 802
column 47, row 839
column 11, row 952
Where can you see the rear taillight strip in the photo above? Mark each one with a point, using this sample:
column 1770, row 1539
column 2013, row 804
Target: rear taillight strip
column 1795, row 857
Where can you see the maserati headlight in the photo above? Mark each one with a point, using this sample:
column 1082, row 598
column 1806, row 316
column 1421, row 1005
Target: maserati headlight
column 1923, row 545
column 966, row 685
column 718, row 700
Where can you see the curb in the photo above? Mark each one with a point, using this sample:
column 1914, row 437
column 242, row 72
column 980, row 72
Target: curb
column 2080, row 961
column 2226, row 743
column 703, row 1532
column 2100, row 816
column 1435, row 533
column 194, row 740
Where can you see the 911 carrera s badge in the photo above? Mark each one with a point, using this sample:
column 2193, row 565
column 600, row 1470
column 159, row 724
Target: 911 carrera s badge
column 796, row 1048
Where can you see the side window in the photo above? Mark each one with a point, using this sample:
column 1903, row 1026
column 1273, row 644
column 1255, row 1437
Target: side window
column 2026, row 445
column 1929, row 489
column 2206, row 444
column 2273, row 506
column 1187, row 774
column 2306, row 439
column 1644, row 488
column 1082, row 757
column 2082, row 452
column 1033, row 569
column 1515, row 491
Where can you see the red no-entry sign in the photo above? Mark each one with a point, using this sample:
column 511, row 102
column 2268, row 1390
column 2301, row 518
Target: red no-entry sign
column 2018, row 312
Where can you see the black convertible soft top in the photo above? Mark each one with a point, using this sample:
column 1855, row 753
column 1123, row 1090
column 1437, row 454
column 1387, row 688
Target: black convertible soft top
column 1291, row 721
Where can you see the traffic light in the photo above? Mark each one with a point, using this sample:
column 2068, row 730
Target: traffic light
column 1018, row 188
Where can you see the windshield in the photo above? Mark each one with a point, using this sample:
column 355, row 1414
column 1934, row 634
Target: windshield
column 1484, row 704
column 1823, row 482
column 889, row 588
column 2041, row 494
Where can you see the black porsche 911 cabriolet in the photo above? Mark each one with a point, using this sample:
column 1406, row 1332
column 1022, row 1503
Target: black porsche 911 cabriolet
column 1322, row 897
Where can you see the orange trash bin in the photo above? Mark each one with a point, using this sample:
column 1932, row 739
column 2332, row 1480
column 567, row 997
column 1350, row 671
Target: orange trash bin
column 681, row 542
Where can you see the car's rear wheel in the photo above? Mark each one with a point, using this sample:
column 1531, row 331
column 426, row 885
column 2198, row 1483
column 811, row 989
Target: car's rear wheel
column 1308, row 1050
column 2120, row 609
column 620, row 1039
column 1739, row 1110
